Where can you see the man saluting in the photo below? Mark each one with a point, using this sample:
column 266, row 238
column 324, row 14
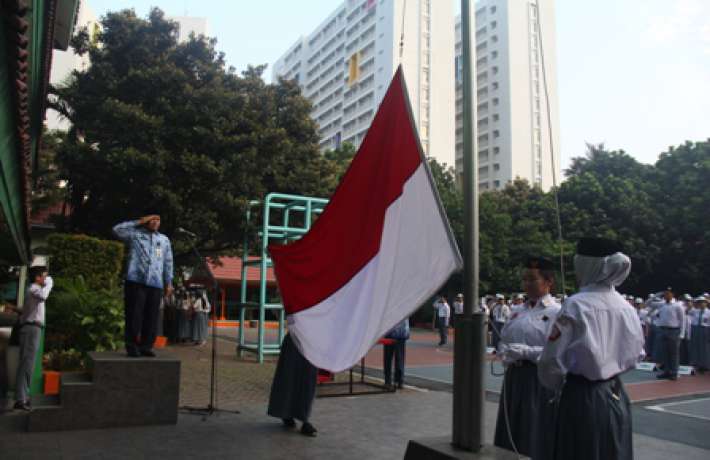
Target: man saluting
column 597, row 336
column 150, row 270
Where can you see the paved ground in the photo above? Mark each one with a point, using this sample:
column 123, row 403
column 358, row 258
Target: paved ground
column 373, row 426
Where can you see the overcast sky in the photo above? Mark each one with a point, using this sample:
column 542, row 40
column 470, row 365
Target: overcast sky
column 634, row 74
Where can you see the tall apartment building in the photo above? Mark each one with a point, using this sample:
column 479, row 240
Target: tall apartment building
column 65, row 62
column 512, row 126
column 188, row 25
column 345, row 66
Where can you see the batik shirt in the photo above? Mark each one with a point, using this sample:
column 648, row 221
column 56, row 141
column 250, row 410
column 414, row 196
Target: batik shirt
column 150, row 256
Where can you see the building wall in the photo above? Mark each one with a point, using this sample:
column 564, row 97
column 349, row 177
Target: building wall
column 188, row 25
column 64, row 62
column 365, row 35
column 512, row 126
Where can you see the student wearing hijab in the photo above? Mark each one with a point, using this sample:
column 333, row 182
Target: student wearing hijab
column 524, row 402
column 596, row 338
column 700, row 335
column 200, row 320
column 293, row 388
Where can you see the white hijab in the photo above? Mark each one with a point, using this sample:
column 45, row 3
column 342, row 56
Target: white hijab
column 608, row 271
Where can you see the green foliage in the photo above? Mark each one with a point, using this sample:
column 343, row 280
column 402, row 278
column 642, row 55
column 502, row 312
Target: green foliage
column 167, row 125
column 341, row 158
column 98, row 262
column 83, row 318
column 659, row 212
column 63, row 360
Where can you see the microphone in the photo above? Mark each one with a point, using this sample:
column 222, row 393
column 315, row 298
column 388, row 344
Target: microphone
column 186, row 232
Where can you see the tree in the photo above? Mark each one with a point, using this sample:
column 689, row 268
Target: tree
column 166, row 125
column 341, row 158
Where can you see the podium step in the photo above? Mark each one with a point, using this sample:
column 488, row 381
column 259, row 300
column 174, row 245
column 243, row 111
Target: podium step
column 118, row 391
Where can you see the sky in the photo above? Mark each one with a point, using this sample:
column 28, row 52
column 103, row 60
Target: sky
column 633, row 74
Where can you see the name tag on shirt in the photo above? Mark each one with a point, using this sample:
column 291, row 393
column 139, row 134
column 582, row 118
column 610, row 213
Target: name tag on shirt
column 158, row 252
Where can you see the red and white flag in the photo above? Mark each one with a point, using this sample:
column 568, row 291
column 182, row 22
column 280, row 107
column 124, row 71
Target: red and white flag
column 381, row 247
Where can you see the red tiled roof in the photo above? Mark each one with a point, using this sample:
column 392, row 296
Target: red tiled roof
column 43, row 216
column 230, row 269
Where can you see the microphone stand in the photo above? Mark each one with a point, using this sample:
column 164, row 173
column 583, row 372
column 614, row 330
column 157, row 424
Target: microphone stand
column 211, row 408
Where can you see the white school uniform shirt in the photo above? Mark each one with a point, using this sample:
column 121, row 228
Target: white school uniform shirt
column 530, row 326
column 699, row 317
column 458, row 308
column 671, row 314
column 643, row 315
column 33, row 309
column 202, row 305
column 444, row 311
column 501, row 312
column 597, row 335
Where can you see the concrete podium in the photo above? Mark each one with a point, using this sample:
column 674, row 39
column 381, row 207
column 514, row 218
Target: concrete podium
column 116, row 391
column 441, row 449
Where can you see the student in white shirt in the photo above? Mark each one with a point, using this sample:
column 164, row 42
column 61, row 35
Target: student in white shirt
column 597, row 337
column 443, row 313
column 523, row 399
column 671, row 323
column 700, row 335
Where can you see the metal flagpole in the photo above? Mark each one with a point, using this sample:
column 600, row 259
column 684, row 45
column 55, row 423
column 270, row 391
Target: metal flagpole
column 469, row 348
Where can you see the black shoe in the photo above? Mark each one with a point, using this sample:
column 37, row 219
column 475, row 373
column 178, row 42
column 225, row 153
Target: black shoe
column 22, row 405
column 289, row 422
column 133, row 354
column 308, row 430
column 400, row 385
column 673, row 377
column 663, row 376
column 148, row 353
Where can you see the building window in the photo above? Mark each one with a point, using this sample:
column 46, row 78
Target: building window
column 493, row 10
column 496, row 150
column 494, row 54
column 494, row 38
column 496, row 117
column 496, row 183
column 493, row 24
column 496, row 167
column 495, row 85
column 496, row 134
column 495, row 70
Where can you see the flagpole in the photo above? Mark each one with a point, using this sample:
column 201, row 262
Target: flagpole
column 469, row 348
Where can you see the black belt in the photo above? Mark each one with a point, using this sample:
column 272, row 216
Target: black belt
column 32, row 323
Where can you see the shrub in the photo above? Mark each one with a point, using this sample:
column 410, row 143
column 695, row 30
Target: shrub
column 98, row 262
column 84, row 318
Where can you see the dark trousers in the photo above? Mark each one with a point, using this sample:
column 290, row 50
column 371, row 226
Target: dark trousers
column 496, row 333
column 396, row 351
column 670, row 349
column 142, row 304
column 443, row 325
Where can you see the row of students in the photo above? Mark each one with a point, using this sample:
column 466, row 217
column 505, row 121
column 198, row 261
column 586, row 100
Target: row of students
column 187, row 317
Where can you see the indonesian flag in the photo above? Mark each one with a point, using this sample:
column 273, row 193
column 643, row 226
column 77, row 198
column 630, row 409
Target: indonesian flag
column 381, row 247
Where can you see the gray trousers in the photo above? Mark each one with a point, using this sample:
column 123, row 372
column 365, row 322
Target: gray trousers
column 670, row 349
column 29, row 346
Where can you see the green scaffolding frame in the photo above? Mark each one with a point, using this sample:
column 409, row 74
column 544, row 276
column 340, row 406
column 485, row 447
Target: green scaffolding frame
column 296, row 216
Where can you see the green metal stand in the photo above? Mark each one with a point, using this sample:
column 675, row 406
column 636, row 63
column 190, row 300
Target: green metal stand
column 284, row 218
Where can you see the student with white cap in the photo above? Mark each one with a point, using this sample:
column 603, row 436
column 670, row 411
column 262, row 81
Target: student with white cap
column 500, row 314
column 596, row 338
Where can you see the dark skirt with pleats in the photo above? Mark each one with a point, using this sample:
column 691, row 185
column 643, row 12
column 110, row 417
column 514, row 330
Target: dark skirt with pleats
column 294, row 387
column 594, row 421
column 531, row 413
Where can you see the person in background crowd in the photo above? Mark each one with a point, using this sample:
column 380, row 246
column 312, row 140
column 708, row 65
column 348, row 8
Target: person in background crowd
column 686, row 331
column 518, row 304
column 653, row 344
column 642, row 313
column 400, row 335
column 499, row 315
column 201, row 307
column 148, row 278
column 595, row 339
column 170, row 317
column 700, row 335
column 458, row 307
column 185, row 316
column 443, row 313
column 529, row 411
column 671, row 321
